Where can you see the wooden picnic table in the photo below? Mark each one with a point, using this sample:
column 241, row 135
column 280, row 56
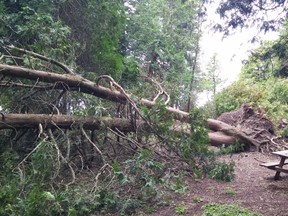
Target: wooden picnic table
column 278, row 165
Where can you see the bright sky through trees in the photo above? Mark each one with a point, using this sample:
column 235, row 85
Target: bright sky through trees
column 231, row 50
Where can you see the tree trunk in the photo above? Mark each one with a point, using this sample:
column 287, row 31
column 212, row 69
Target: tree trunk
column 225, row 134
column 219, row 139
column 45, row 121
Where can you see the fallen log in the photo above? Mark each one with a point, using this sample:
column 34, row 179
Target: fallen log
column 20, row 121
column 219, row 139
column 16, row 121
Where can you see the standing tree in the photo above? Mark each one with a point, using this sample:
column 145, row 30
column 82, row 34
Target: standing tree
column 212, row 75
column 165, row 42
column 266, row 15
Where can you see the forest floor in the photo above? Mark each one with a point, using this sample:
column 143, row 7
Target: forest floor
column 253, row 188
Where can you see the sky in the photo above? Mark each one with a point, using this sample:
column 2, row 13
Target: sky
column 230, row 51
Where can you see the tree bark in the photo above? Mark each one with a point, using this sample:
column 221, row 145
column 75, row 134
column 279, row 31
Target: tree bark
column 74, row 82
column 219, row 139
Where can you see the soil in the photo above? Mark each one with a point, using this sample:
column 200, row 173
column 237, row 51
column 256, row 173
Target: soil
column 254, row 188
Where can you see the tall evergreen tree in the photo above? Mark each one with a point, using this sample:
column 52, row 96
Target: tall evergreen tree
column 163, row 36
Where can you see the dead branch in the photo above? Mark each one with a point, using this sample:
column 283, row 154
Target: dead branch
column 60, row 156
column 117, row 132
column 44, row 58
column 38, row 87
column 92, row 143
column 160, row 91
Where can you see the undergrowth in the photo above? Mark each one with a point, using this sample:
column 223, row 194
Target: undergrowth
column 45, row 182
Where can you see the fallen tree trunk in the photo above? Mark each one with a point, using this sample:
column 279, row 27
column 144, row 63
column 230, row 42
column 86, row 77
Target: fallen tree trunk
column 232, row 132
column 16, row 121
column 219, row 139
column 74, row 82
column 225, row 134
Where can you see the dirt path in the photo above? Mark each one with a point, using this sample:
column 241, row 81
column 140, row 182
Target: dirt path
column 252, row 188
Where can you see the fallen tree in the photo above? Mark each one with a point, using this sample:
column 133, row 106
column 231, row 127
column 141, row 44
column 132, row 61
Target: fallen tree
column 230, row 127
column 45, row 121
column 227, row 134
column 74, row 82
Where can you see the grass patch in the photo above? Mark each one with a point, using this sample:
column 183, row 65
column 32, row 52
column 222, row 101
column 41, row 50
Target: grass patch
column 214, row 209
column 229, row 191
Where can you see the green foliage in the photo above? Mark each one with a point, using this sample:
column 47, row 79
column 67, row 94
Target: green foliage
column 271, row 95
column 44, row 162
column 279, row 90
column 235, row 95
column 164, row 41
column 261, row 65
column 35, row 194
column 269, row 60
column 33, row 27
column 211, row 77
column 263, row 81
column 221, row 171
column 260, row 82
column 130, row 72
column 213, row 209
column 179, row 186
column 181, row 209
column 199, row 140
column 51, row 30
column 242, row 14
column 238, row 147
column 99, row 27
column 143, row 172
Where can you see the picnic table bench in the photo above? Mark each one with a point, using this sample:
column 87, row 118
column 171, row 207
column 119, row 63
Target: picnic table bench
column 278, row 165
